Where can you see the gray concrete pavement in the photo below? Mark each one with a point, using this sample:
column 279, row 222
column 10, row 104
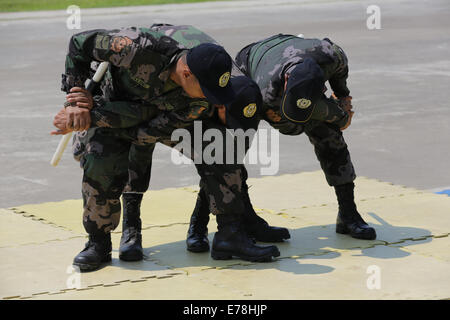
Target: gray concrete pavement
column 399, row 77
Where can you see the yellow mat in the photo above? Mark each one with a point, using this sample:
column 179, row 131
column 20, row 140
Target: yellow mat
column 38, row 243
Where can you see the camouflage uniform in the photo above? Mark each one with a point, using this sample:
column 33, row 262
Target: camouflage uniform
column 140, row 163
column 135, row 89
column 161, row 128
column 267, row 62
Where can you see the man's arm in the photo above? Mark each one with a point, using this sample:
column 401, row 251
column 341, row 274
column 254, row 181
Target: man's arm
column 126, row 114
column 338, row 109
column 328, row 110
column 284, row 126
column 119, row 47
column 338, row 83
column 120, row 114
column 338, row 70
column 162, row 126
column 109, row 114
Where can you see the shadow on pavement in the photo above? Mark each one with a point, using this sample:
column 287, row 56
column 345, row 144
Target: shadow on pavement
column 311, row 242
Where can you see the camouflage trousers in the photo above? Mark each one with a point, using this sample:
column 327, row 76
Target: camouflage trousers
column 113, row 162
column 332, row 152
column 329, row 146
column 103, row 154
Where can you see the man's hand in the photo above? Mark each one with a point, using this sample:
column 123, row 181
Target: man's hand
column 71, row 119
column 75, row 117
column 78, row 119
column 346, row 103
column 59, row 122
column 80, row 97
column 273, row 116
column 349, row 121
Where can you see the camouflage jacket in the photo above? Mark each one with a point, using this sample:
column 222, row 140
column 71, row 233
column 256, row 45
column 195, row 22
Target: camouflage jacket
column 268, row 60
column 161, row 127
column 136, row 86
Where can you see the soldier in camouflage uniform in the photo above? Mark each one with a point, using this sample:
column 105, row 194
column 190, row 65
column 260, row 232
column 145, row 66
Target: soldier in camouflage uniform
column 271, row 62
column 159, row 130
column 140, row 167
column 140, row 157
column 172, row 75
column 242, row 114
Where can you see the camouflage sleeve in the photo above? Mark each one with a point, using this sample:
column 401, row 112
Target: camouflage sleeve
column 78, row 58
column 286, row 127
column 276, row 121
column 338, row 83
column 120, row 114
column 197, row 110
column 329, row 111
column 338, row 80
column 162, row 126
column 119, row 47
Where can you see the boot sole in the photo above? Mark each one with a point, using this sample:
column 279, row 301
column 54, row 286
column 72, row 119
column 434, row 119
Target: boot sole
column 84, row 267
column 219, row 255
column 363, row 236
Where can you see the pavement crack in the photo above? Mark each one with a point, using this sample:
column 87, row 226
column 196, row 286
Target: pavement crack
column 284, row 211
column 34, row 218
column 42, row 242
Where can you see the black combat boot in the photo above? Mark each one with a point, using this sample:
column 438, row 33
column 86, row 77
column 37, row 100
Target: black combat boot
column 258, row 228
column 197, row 236
column 97, row 250
column 349, row 221
column 131, row 241
column 231, row 240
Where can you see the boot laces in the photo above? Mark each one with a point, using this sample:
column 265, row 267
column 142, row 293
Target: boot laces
column 132, row 233
column 94, row 245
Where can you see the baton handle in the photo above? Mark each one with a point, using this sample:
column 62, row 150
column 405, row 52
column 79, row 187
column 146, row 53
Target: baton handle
column 60, row 149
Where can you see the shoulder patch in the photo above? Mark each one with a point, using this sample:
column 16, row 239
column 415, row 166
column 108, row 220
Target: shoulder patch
column 102, row 42
column 119, row 42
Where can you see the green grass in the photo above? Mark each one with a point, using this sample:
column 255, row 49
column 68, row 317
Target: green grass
column 33, row 5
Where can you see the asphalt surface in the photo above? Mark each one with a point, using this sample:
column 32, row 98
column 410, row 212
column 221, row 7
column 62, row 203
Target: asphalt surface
column 399, row 78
